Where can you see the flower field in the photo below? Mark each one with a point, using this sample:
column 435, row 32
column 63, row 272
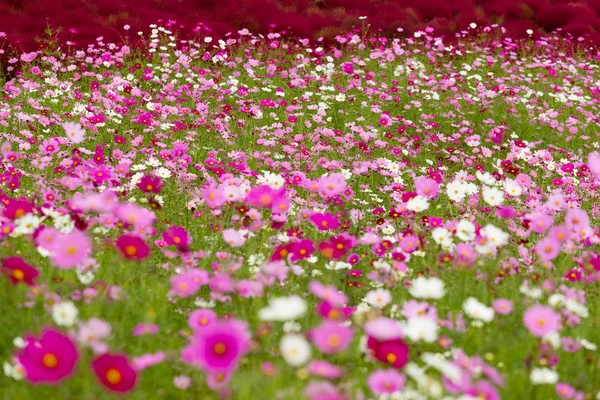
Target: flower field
column 371, row 218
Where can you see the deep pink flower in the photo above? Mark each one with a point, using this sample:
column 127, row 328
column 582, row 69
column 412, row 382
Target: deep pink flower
column 133, row 247
column 49, row 359
column 115, row 372
column 18, row 271
column 150, row 184
column 325, row 221
column 177, row 236
column 219, row 346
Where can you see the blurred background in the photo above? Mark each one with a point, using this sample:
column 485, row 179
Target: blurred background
column 82, row 21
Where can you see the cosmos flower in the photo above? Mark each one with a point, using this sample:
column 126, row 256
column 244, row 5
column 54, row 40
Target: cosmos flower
column 18, row 271
column 114, row 372
column 50, row 358
column 132, row 247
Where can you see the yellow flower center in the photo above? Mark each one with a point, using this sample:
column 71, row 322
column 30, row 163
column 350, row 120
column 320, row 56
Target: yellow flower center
column 113, row 376
column 49, row 360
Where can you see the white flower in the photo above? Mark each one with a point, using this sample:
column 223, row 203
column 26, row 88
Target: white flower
column 588, row 345
column 441, row 236
column 291, row 327
column 485, row 178
column 163, row 172
column 554, row 339
column 495, row 235
column 26, row 225
column 15, row 372
column 465, row 230
column 378, row 298
column 437, row 361
column 337, row 265
column 512, row 188
column 577, row 308
column 64, row 223
column 427, row 288
column 456, row 191
column 421, row 328
column 295, row 350
column 540, row 376
column 65, row 313
column 476, row 310
column 283, row 309
column 493, row 196
column 557, row 300
column 85, row 278
column 417, row 204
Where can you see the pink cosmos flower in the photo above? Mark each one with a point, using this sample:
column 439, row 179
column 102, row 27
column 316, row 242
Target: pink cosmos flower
column 426, row 187
column 213, row 196
column 322, row 391
column 383, row 329
column 325, row 221
column 115, row 372
column 541, row 320
column 70, row 249
column 262, row 196
column 577, row 219
column 132, row 214
column 324, row 369
column 177, row 236
column 182, row 382
column 502, row 306
column 201, row 318
column 329, row 293
column 187, row 284
column 92, row 332
column 219, row 346
column 147, row 360
column 48, row 359
column 145, row 329
column 233, row 237
column 331, row 185
column 331, row 337
column 386, row 381
column 74, row 132
column 547, row 249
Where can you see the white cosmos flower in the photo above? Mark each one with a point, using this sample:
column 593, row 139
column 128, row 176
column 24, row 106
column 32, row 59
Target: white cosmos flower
column 65, row 313
column 378, row 298
column 456, row 191
column 541, row 376
column 295, row 350
column 441, row 236
column 465, row 230
column 495, row 235
column 421, row 328
column 417, row 204
column 485, row 178
column 476, row 310
column 26, row 225
column 283, row 309
column 427, row 288
column 512, row 188
column 493, row 196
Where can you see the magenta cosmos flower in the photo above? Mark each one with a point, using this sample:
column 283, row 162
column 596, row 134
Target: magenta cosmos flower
column 133, row 247
column 71, row 249
column 541, row 320
column 49, row 359
column 219, row 346
column 18, row 271
column 115, row 372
